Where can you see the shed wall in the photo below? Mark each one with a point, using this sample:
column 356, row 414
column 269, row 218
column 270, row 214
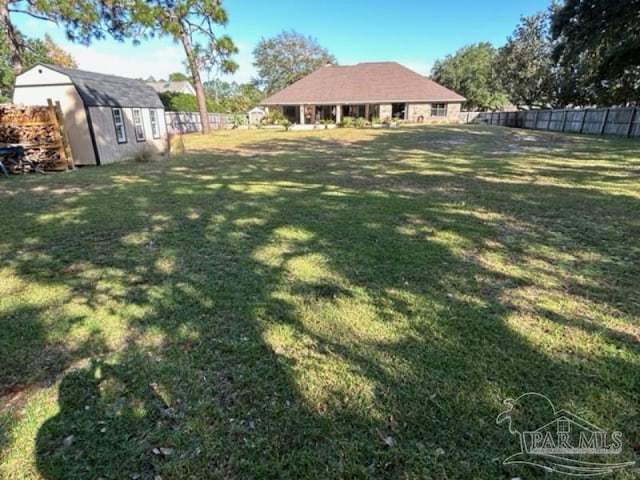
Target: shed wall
column 109, row 149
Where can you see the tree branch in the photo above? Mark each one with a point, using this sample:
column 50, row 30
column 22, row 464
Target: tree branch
column 31, row 14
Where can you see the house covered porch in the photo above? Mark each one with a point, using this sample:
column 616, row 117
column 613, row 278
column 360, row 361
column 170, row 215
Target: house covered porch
column 312, row 114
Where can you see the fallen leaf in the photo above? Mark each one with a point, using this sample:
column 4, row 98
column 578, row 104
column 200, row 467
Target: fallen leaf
column 389, row 442
column 162, row 451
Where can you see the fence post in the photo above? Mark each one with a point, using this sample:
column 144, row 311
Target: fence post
column 604, row 121
column 549, row 121
column 564, row 120
column 633, row 116
column 584, row 116
column 535, row 120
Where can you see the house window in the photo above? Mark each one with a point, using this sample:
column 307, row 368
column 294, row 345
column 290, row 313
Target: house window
column 398, row 111
column 153, row 117
column 291, row 113
column 137, row 124
column 438, row 109
column 353, row 111
column 118, row 122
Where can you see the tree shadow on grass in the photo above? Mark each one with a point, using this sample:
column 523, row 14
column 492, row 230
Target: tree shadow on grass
column 298, row 324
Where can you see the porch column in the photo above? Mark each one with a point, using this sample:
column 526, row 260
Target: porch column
column 338, row 113
column 301, row 114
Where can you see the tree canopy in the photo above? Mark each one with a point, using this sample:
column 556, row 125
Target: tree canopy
column 470, row 72
column 233, row 97
column 225, row 97
column 178, row 77
column 83, row 21
column 34, row 51
column 525, row 65
column 286, row 58
column 599, row 42
column 193, row 23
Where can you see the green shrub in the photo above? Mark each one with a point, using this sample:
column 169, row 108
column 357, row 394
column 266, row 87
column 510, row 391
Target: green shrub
column 240, row 120
column 274, row 117
column 346, row 122
column 359, row 122
column 375, row 120
column 183, row 102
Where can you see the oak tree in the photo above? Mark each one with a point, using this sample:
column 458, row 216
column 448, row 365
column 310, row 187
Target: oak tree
column 286, row 58
column 601, row 38
column 525, row 65
column 470, row 72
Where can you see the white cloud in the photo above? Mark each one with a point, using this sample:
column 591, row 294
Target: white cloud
column 157, row 59
column 128, row 61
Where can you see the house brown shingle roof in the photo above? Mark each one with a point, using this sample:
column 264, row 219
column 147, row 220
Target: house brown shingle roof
column 363, row 83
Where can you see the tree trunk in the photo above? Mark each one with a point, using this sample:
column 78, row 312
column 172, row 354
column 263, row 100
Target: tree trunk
column 197, row 81
column 13, row 41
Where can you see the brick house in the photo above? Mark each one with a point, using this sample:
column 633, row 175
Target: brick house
column 385, row 90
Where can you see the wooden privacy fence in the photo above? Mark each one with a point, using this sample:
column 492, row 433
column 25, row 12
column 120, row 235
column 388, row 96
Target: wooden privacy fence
column 187, row 122
column 623, row 122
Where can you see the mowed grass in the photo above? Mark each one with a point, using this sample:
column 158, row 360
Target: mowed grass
column 326, row 304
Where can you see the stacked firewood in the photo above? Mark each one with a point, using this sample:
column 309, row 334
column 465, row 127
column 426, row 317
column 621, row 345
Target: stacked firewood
column 19, row 114
column 35, row 129
column 28, row 135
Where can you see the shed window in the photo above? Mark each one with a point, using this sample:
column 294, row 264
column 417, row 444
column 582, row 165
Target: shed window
column 137, row 124
column 153, row 117
column 438, row 109
column 118, row 122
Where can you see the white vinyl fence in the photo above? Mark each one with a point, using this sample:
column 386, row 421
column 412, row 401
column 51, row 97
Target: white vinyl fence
column 187, row 122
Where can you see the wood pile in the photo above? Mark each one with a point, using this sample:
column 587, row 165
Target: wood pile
column 39, row 130
column 19, row 114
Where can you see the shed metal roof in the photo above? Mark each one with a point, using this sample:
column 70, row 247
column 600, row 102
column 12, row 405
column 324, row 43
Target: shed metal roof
column 100, row 90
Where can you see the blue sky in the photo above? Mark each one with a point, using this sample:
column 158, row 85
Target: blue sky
column 412, row 32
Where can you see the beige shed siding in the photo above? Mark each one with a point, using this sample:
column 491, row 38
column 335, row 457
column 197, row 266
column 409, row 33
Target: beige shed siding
column 42, row 76
column 75, row 116
column 109, row 149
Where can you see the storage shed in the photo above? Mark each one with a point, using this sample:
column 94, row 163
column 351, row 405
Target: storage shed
column 107, row 118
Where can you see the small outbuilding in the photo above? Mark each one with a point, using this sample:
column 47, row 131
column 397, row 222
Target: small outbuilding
column 106, row 118
column 256, row 115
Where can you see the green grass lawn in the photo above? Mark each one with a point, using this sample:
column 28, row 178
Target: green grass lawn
column 327, row 304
